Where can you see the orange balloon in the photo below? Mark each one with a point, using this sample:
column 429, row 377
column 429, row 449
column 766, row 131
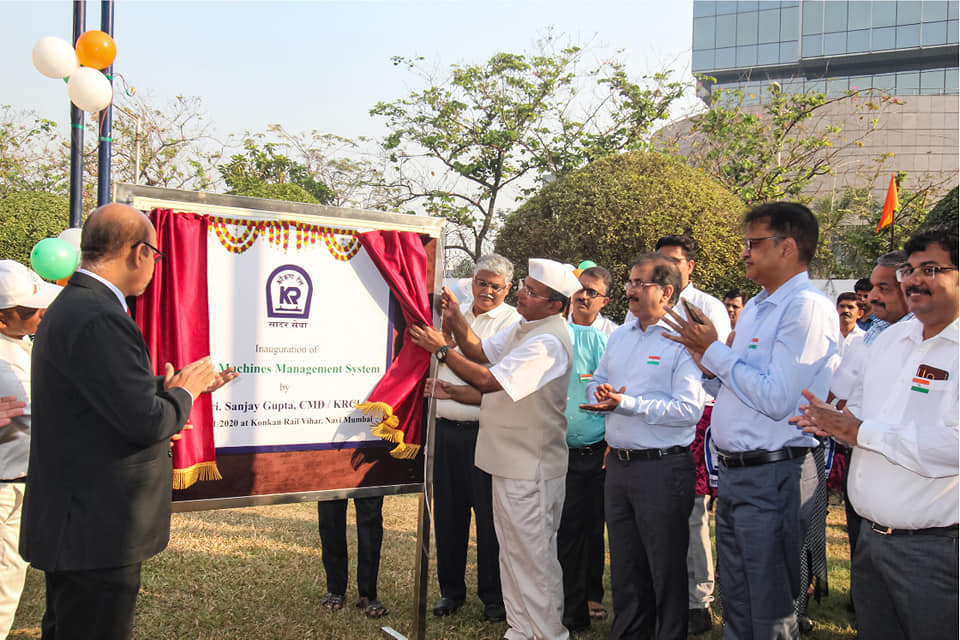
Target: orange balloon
column 96, row 49
column 63, row 281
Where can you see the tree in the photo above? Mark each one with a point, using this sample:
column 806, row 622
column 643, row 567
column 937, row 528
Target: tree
column 944, row 213
column 773, row 150
column 174, row 145
column 26, row 218
column 355, row 177
column 32, row 154
column 469, row 142
column 261, row 164
column 617, row 207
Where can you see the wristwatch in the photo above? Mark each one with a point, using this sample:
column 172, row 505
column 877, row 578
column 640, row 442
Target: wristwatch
column 441, row 353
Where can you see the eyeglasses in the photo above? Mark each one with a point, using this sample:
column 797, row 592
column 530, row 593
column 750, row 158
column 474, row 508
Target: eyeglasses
column 483, row 284
column 638, row 284
column 157, row 254
column 524, row 288
column 928, row 271
column 591, row 293
column 749, row 242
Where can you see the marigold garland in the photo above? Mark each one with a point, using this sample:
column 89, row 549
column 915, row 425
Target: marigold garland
column 342, row 244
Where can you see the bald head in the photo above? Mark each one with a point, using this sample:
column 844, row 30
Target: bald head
column 110, row 231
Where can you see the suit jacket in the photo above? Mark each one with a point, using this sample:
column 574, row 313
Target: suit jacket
column 99, row 488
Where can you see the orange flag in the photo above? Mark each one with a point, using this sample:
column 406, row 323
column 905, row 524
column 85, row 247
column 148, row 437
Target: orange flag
column 892, row 202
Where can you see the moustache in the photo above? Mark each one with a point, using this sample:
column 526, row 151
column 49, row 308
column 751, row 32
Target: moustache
column 632, row 298
column 912, row 289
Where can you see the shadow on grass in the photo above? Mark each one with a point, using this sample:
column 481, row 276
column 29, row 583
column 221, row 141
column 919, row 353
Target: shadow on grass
column 256, row 574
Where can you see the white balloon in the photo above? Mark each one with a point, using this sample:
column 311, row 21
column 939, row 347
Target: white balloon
column 89, row 89
column 54, row 58
column 72, row 236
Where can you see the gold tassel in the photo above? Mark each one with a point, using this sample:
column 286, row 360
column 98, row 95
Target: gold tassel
column 185, row 478
column 387, row 428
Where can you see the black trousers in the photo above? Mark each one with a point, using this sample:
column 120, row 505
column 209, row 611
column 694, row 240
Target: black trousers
column 332, row 523
column 91, row 605
column 458, row 487
column 576, row 541
column 648, row 504
column 905, row 587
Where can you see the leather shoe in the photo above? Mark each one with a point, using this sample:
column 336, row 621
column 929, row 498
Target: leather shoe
column 699, row 621
column 445, row 606
column 494, row 612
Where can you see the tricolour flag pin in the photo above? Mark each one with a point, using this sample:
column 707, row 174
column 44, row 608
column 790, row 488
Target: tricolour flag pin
column 921, row 384
column 754, row 342
column 653, row 360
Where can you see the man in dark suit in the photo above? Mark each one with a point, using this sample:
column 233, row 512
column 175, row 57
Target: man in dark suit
column 98, row 495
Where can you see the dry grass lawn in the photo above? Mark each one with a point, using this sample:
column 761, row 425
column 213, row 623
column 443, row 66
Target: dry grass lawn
column 255, row 573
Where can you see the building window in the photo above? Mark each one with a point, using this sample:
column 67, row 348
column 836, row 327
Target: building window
column 834, row 43
column 931, row 82
column 951, row 81
column 908, row 11
column 768, row 26
column 908, row 35
column 790, row 23
column 858, row 41
column 953, row 31
column 858, row 16
column 726, row 6
column 883, row 39
column 885, row 82
column 812, row 46
column 747, row 56
column 726, row 58
column 934, row 11
column 703, row 32
column 703, row 8
column 908, row 83
column 933, row 34
column 812, row 11
column 884, row 14
column 747, row 28
column 726, row 31
column 789, row 52
column 768, row 53
column 835, row 16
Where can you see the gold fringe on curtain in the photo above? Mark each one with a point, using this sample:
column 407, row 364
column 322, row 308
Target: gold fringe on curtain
column 185, row 478
column 387, row 429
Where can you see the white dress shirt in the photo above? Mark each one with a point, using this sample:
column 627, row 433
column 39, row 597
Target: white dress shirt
column 484, row 325
column 529, row 366
column 904, row 469
column 785, row 342
column 15, row 381
column 712, row 307
column 847, row 372
column 663, row 400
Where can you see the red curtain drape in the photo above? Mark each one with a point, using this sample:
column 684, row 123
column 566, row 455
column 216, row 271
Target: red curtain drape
column 174, row 318
column 397, row 400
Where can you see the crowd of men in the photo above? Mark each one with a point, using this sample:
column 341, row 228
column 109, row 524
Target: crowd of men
column 767, row 393
column 553, row 423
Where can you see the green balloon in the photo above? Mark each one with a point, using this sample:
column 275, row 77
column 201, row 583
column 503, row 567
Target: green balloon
column 586, row 264
column 54, row 259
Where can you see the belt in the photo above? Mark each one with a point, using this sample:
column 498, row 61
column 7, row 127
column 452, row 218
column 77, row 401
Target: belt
column 460, row 424
column 754, row 458
column 589, row 449
column 21, row 479
column 949, row 532
column 647, row 454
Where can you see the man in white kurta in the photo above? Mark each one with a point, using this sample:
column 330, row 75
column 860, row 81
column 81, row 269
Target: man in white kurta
column 522, row 438
column 23, row 299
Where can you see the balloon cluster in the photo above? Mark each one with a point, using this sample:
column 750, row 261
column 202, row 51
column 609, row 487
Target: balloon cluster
column 87, row 87
column 57, row 258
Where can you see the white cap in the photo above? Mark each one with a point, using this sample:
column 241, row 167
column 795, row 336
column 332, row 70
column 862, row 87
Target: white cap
column 558, row 277
column 21, row 287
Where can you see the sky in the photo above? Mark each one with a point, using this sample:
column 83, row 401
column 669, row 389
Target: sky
column 321, row 64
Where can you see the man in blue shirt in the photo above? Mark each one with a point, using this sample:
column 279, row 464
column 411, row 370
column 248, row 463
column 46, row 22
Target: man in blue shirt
column 786, row 341
column 650, row 387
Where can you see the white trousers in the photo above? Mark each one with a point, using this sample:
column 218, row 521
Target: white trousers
column 526, row 515
column 13, row 568
column 700, row 556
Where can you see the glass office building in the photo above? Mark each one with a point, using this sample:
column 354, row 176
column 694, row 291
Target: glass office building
column 906, row 48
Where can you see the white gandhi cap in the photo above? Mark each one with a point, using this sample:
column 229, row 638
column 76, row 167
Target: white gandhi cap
column 21, row 287
column 559, row 277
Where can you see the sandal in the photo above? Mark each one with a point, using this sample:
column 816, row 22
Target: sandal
column 597, row 610
column 372, row 608
column 332, row 601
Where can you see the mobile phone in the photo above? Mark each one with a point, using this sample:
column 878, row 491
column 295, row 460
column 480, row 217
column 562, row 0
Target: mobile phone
column 692, row 313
